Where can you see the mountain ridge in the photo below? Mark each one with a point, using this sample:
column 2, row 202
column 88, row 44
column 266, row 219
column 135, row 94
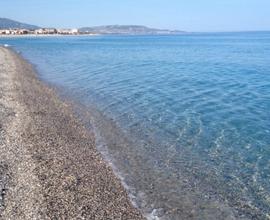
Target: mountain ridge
column 6, row 23
column 127, row 29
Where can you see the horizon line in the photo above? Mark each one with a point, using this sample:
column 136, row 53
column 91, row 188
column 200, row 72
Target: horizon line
column 148, row 26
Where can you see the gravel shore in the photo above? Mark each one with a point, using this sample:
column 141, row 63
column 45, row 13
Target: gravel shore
column 49, row 165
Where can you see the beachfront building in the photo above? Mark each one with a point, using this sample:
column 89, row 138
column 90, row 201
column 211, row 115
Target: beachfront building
column 23, row 31
column 5, row 32
column 46, row 31
column 15, row 31
column 74, row 31
column 67, row 31
column 41, row 31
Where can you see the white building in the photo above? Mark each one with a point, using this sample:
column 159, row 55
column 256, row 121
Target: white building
column 46, row 31
column 67, row 31
column 5, row 31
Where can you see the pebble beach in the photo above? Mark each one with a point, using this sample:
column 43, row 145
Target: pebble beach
column 49, row 165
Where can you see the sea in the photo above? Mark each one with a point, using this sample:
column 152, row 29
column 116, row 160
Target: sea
column 184, row 120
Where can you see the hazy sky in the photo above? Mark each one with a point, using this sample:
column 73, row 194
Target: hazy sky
column 189, row 15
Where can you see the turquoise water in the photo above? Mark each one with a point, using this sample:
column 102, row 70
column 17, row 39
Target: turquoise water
column 185, row 120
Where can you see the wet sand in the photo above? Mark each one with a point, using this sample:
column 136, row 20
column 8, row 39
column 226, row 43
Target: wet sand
column 49, row 165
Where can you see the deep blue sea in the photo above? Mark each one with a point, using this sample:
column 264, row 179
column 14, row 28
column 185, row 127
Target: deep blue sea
column 184, row 120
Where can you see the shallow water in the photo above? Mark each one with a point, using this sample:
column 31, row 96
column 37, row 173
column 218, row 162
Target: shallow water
column 185, row 120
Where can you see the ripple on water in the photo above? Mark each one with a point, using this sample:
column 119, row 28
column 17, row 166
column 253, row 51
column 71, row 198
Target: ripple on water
column 184, row 119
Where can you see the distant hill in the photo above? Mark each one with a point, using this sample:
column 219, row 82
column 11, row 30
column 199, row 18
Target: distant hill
column 126, row 29
column 8, row 23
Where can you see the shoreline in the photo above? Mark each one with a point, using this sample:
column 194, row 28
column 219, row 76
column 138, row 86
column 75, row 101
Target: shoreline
column 47, row 35
column 50, row 167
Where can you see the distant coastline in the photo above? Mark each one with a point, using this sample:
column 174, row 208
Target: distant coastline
column 106, row 30
column 43, row 35
column 10, row 27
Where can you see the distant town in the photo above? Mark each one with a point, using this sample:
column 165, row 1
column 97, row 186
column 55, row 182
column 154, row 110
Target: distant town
column 41, row 31
column 11, row 27
column 101, row 30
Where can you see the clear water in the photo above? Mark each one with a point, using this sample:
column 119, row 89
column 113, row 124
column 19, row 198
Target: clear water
column 184, row 119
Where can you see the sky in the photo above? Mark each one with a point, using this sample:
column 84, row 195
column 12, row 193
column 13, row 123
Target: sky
column 187, row 15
